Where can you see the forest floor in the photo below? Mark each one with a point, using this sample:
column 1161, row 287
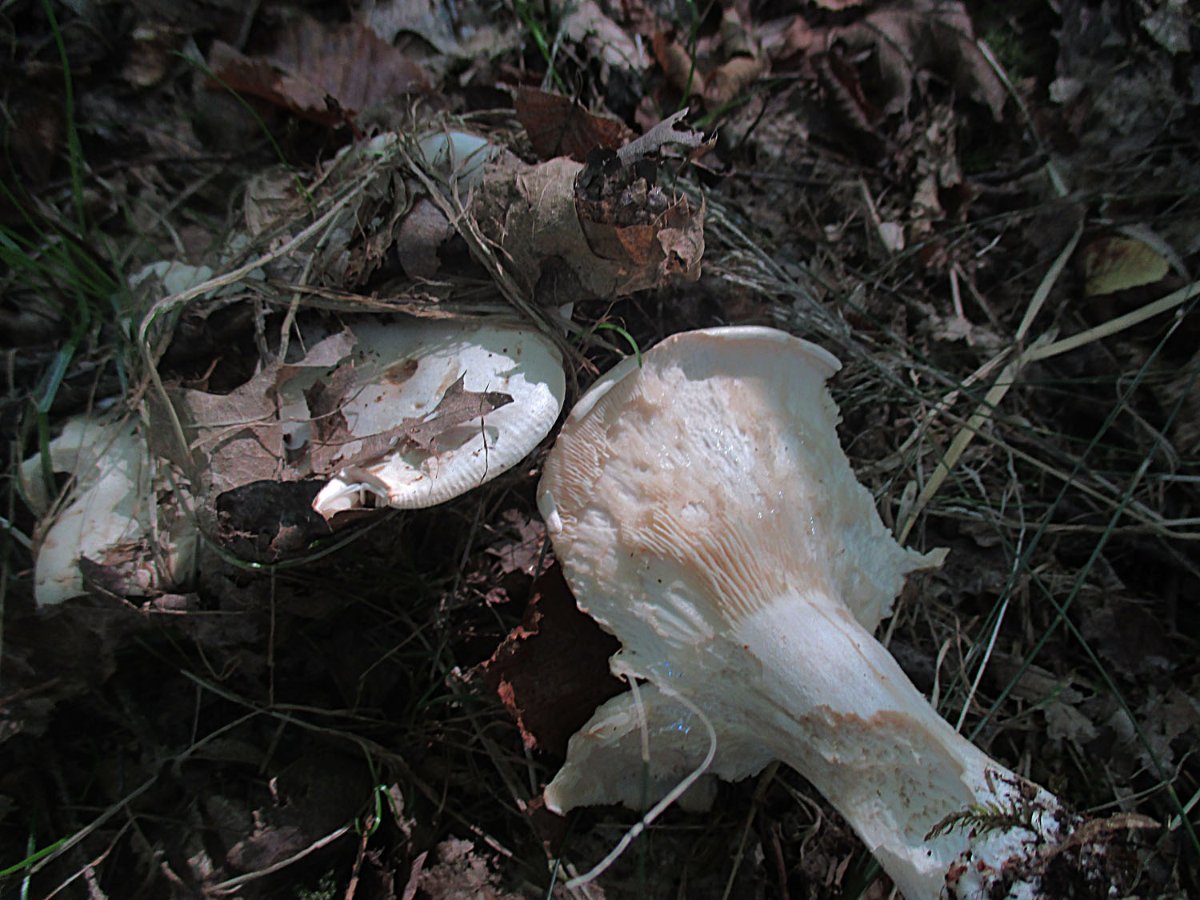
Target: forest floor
column 989, row 212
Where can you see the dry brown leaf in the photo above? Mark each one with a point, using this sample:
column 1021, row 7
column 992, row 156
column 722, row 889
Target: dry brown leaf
column 670, row 132
column 626, row 216
column 841, row 82
column 926, row 35
column 585, row 23
column 560, row 126
column 718, row 68
column 791, row 42
column 743, row 61
column 237, row 438
column 682, row 243
column 558, row 222
column 552, row 671
column 524, row 552
column 460, row 873
column 322, row 73
column 271, row 199
column 678, row 65
column 428, row 19
column 729, row 80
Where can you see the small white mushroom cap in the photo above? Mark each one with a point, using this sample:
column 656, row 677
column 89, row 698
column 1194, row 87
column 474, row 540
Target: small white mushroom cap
column 106, row 516
column 459, row 154
column 704, row 513
column 403, row 370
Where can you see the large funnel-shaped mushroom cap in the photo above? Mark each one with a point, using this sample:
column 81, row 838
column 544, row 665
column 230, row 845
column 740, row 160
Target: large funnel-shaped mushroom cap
column 678, row 491
column 703, row 511
column 409, row 373
column 715, row 418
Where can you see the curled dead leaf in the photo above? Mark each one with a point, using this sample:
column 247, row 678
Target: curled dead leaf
column 678, row 65
column 562, row 215
column 585, row 23
column 729, row 80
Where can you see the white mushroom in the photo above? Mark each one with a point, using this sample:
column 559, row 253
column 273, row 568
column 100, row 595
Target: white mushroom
column 403, row 372
column 108, row 516
column 459, row 155
column 705, row 514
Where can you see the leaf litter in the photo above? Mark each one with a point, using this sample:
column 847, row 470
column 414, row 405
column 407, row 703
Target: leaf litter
column 328, row 75
column 876, row 181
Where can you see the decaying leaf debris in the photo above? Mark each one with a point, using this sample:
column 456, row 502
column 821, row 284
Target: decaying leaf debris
column 561, row 231
column 598, row 230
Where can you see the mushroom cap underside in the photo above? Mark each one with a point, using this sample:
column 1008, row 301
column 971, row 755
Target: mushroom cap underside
column 710, row 479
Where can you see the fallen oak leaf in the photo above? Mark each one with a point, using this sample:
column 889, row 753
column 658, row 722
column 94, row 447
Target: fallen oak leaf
column 241, row 437
column 668, row 132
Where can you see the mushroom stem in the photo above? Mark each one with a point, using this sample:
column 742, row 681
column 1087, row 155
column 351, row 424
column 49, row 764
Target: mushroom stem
column 705, row 514
column 834, row 705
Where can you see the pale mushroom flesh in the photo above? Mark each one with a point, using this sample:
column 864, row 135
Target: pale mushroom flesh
column 111, row 514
